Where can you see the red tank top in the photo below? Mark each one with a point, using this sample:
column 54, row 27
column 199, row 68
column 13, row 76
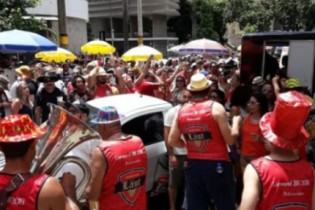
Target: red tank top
column 102, row 91
column 26, row 196
column 201, row 132
column 251, row 144
column 285, row 185
column 130, row 90
column 124, row 184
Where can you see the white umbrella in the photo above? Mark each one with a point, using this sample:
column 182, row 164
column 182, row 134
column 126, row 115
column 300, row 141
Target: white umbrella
column 203, row 46
column 176, row 48
column 141, row 53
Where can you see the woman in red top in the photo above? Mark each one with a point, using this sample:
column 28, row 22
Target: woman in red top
column 164, row 91
column 252, row 145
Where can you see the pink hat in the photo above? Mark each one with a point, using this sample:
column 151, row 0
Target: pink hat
column 284, row 127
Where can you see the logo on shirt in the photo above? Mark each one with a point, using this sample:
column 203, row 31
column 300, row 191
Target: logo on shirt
column 197, row 136
column 129, row 185
column 291, row 206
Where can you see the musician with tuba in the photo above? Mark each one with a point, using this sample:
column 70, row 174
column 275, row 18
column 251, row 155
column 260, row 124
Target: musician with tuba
column 82, row 151
column 118, row 167
column 19, row 189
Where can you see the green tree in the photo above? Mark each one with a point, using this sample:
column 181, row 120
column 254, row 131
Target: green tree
column 12, row 12
column 205, row 20
column 219, row 22
column 181, row 25
column 258, row 15
column 210, row 20
column 252, row 15
column 293, row 15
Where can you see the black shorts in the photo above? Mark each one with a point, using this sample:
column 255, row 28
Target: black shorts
column 204, row 182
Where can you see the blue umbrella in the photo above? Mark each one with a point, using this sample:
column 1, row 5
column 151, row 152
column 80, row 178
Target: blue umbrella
column 24, row 41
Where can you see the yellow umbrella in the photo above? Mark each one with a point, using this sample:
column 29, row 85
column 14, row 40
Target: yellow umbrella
column 98, row 47
column 60, row 55
column 141, row 53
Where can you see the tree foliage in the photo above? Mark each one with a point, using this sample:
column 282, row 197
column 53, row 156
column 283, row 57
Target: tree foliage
column 210, row 20
column 12, row 13
column 252, row 15
column 219, row 22
column 205, row 27
column 294, row 15
column 181, row 25
column 258, row 15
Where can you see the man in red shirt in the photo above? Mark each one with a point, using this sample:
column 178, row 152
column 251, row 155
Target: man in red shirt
column 147, row 82
column 149, row 85
column 281, row 180
column 98, row 83
column 118, row 166
column 204, row 126
column 19, row 189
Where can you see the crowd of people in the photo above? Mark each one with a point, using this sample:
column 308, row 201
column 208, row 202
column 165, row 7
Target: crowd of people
column 217, row 132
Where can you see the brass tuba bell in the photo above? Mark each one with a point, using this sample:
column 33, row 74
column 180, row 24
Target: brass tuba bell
column 64, row 132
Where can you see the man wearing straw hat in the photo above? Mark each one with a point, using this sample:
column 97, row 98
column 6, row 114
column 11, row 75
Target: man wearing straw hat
column 281, row 180
column 204, row 125
column 98, row 83
column 118, row 166
column 19, row 189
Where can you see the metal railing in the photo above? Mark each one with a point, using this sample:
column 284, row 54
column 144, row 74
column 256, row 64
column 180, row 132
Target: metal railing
column 135, row 35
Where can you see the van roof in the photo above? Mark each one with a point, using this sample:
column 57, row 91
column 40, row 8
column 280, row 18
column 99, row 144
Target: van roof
column 280, row 35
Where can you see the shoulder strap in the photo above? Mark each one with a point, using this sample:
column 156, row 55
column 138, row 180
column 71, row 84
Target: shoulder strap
column 13, row 185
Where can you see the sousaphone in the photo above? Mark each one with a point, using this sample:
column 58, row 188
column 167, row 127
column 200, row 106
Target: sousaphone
column 64, row 132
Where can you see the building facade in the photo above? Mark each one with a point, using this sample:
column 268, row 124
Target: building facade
column 106, row 21
column 77, row 18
